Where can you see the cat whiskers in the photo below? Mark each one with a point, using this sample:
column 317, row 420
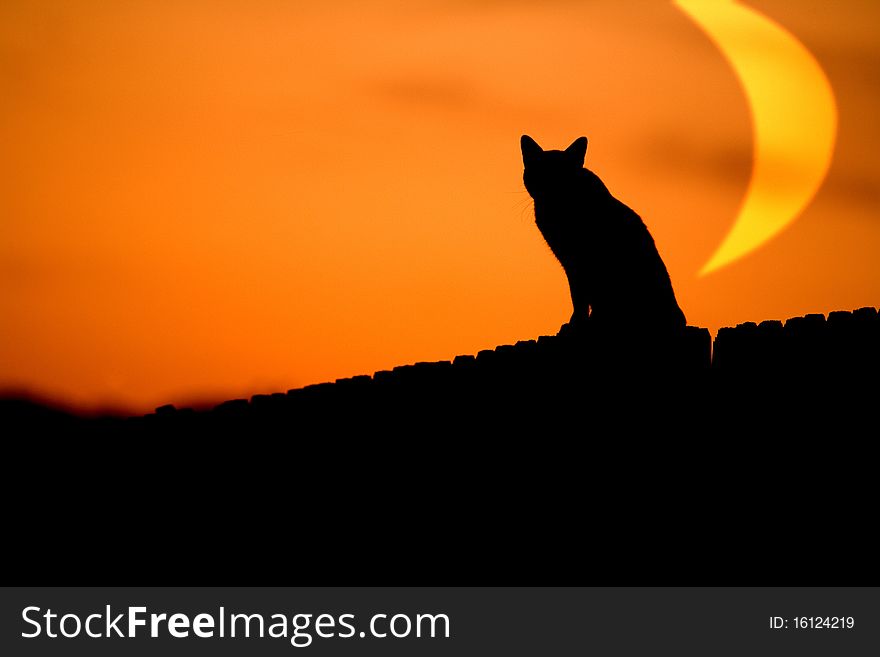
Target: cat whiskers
column 523, row 205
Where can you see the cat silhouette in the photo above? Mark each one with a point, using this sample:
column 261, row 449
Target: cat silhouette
column 615, row 274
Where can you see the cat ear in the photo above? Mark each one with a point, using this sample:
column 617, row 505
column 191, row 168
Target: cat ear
column 530, row 149
column 578, row 150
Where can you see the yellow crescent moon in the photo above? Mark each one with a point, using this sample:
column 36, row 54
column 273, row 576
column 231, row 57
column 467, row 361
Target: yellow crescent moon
column 794, row 120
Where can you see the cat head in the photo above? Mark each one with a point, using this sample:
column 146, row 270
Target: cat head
column 549, row 172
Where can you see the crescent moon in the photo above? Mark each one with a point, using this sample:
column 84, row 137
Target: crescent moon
column 794, row 120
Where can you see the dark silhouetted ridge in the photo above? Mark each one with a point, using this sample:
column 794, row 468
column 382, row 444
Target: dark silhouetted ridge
column 776, row 370
column 578, row 458
column 782, row 372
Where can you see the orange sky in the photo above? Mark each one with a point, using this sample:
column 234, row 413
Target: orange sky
column 209, row 199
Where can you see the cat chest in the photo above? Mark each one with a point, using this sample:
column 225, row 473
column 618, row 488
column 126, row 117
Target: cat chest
column 563, row 233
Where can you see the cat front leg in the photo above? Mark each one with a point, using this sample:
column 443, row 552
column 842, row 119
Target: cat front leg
column 577, row 325
column 581, row 296
column 580, row 301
